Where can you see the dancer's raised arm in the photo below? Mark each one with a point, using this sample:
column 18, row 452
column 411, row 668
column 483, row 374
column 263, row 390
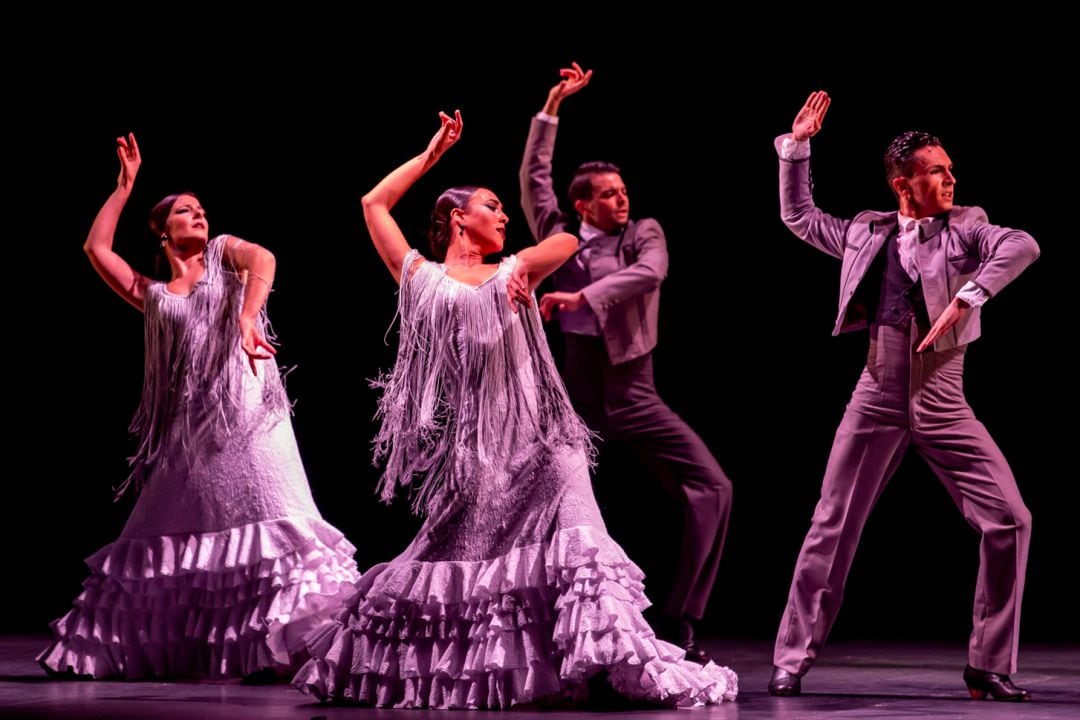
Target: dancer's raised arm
column 116, row 271
column 385, row 233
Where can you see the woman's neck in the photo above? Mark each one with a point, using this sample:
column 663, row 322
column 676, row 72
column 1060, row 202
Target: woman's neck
column 184, row 260
column 462, row 254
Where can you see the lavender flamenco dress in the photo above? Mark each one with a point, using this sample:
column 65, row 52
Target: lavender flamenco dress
column 512, row 592
column 225, row 562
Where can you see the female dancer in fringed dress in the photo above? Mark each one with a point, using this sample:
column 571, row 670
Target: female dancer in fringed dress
column 512, row 592
column 225, row 562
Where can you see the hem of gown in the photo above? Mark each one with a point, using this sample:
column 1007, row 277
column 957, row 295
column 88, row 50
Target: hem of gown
column 218, row 604
column 530, row 625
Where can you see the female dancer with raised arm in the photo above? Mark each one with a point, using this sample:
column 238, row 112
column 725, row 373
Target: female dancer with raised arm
column 225, row 562
column 512, row 592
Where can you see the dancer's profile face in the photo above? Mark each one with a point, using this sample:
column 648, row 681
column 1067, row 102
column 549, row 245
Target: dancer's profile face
column 931, row 184
column 186, row 221
column 609, row 207
column 485, row 222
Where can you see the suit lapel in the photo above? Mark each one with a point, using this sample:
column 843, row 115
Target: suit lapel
column 865, row 255
column 930, row 252
column 613, row 257
column 930, row 249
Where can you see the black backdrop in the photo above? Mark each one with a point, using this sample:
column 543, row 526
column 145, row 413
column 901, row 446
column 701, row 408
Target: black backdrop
column 281, row 124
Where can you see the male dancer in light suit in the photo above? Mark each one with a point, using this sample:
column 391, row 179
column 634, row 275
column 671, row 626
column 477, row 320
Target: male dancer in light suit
column 917, row 278
column 607, row 297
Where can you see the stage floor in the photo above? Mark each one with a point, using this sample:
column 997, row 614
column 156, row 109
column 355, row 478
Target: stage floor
column 853, row 680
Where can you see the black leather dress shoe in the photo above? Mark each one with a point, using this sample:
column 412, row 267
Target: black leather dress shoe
column 784, row 684
column 680, row 632
column 984, row 684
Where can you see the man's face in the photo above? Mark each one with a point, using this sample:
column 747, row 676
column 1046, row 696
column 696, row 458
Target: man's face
column 929, row 189
column 609, row 207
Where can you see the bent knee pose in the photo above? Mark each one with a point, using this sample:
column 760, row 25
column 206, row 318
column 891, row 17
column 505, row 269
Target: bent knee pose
column 917, row 278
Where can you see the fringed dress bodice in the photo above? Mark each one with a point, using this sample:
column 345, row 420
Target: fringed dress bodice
column 474, row 390
column 197, row 387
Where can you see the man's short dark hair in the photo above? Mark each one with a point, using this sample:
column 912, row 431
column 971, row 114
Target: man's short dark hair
column 900, row 155
column 581, row 187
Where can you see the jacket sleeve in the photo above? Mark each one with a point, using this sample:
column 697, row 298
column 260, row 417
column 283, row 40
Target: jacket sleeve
column 809, row 223
column 644, row 274
column 538, row 198
column 1004, row 252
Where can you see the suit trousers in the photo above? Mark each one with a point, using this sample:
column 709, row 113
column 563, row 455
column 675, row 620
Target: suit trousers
column 620, row 403
column 905, row 398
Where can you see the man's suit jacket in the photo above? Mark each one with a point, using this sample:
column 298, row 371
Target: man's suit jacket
column 625, row 289
column 966, row 247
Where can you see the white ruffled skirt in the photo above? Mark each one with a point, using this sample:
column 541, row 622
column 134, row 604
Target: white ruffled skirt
column 530, row 625
column 218, row 604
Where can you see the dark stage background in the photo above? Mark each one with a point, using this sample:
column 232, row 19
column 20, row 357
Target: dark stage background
column 281, row 125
